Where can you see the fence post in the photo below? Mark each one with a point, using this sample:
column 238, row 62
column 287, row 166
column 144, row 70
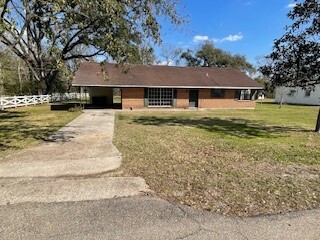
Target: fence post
column 15, row 101
column 25, row 100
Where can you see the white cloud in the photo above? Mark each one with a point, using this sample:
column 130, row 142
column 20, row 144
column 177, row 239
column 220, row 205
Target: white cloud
column 200, row 38
column 232, row 38
column 164, row 63
column 292, row 5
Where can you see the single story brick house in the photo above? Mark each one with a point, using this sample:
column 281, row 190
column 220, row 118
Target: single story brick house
column 144, row 86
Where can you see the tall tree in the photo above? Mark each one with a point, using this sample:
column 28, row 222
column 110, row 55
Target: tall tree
column 142, row 53
column 210, row 56
column 47, row 33
column 170, row 53
column 13, row 75
column 190, row 59
column 295, row 59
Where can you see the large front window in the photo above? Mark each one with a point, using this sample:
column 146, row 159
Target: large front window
column 160, row 97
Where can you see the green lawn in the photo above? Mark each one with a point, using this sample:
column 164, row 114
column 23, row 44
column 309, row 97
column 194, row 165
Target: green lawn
column 21, row 127
column 235, row 162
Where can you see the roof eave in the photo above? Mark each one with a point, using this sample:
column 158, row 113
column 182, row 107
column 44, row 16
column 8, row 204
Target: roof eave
column 153, row 86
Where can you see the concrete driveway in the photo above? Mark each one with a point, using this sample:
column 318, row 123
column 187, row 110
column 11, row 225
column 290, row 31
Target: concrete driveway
column 70, row 166
column 83, row 147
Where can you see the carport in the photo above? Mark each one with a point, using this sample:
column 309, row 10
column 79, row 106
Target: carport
column 100, row 96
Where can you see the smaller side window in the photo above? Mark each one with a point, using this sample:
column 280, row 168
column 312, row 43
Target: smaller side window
column 291, row 93
column 307, row 93
column 217, row 93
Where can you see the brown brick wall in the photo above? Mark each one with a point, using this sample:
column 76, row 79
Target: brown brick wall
column 132, row 98
column 182, row 98
column 205, row 100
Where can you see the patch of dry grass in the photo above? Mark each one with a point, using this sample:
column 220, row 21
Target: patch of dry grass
column 21, row 127
column 235, row 162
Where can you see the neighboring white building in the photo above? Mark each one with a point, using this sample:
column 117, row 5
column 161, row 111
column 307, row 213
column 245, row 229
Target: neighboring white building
column 298, row 95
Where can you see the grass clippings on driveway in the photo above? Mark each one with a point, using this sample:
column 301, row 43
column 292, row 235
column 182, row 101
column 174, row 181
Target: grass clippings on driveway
column 20, row 127
column 235, row 162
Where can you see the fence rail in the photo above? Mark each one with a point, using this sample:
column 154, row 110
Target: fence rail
column 18, row 101
column 57, row 97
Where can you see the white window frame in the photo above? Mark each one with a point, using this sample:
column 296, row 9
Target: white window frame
column 245, row 95
column 160, row 97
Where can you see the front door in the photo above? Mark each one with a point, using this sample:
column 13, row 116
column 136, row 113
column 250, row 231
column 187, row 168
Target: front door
column 193, row 98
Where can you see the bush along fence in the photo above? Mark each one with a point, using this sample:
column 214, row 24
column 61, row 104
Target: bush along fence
column 18, row 101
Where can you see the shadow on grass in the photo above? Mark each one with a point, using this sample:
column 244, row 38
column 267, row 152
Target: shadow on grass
column 4, row 115
column 18, row 132
column 13, row 128
column 240, row 128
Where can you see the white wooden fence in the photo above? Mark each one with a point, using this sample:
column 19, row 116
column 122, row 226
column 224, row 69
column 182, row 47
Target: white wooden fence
column 57, row 97
column 18, row 101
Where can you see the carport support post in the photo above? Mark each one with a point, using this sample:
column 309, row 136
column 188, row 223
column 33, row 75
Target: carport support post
column 85, row 94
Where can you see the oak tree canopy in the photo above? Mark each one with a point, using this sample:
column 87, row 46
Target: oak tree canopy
column 46, row 34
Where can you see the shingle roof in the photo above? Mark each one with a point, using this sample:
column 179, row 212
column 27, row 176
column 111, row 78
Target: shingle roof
column 112, row 75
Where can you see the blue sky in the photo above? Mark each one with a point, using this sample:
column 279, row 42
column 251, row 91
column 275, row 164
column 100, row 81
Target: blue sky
column 246, row 27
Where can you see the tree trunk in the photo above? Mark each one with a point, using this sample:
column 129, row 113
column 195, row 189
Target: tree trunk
column 1, row 82
column 20, row 78
column 318, row 123
column 51, row 81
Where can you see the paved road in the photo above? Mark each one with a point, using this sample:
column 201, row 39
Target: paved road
column 145, row 218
